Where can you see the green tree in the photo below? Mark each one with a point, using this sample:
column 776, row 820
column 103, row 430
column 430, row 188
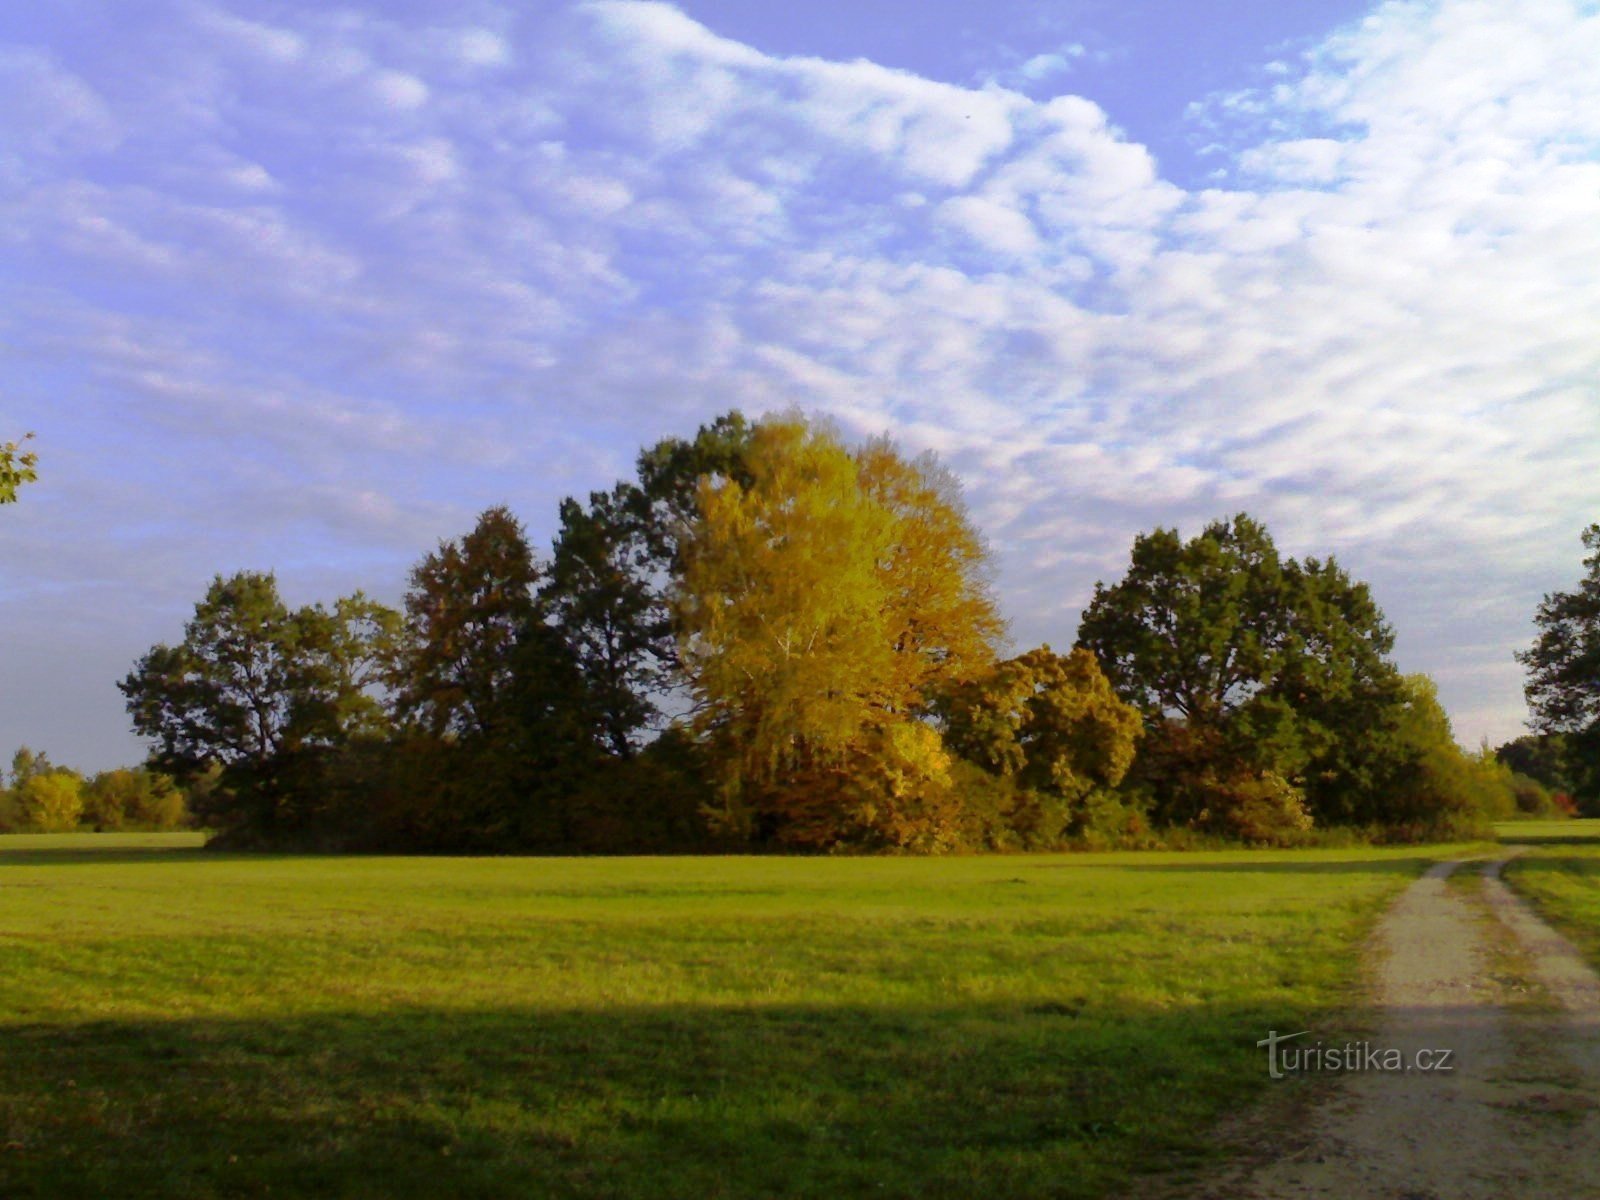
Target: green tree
column 610, row 578
column 468, row 604
column 134, row 798
column 1542, row 757
column 605, row 597
column 1246, row 665
column 1563, row 666
column 263, row 693
column 17, row 467
column 244, row 685
column 1439, row 790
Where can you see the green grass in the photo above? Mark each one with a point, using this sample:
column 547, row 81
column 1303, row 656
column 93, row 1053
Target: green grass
column 180, row 1023
column 1560, row 876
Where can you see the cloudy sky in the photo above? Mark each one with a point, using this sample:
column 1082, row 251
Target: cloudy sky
column 303, row 287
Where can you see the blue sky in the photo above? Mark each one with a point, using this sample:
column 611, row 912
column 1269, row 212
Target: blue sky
column 303, row 287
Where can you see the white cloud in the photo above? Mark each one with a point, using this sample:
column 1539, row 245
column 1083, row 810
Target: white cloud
column 1377, row 331
column 991, row 224
column 482, row 48
column 398, row 90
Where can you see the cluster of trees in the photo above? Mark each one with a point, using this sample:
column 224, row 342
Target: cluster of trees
column 770, row 638
column 40, row 797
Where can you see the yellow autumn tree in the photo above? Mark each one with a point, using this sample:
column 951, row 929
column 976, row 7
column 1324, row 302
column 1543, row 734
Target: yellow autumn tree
column 820, row 606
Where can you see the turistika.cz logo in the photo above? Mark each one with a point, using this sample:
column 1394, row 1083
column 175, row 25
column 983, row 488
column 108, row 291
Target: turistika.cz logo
column 1304, row 1057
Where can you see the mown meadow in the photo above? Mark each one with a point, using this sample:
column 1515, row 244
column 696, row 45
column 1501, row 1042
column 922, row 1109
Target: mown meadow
column 179, row 1022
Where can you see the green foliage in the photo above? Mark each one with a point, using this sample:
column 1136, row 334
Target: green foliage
column 258, row 690
column 1254, row 672
column 1543, row 757
column 604, row 597
column 1563, row 665
column 135, row 798
column 1051, row 727
column 468, row 604
column 608, row 590
column 17, row 467
column 1439, row 790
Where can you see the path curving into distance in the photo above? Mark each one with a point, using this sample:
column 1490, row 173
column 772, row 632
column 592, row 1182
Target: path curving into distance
column 1519, row 1113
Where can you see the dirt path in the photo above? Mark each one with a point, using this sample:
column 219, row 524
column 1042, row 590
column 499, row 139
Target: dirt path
column 1517, row 1116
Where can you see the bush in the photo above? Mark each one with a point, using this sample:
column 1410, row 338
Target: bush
column 1262, row 809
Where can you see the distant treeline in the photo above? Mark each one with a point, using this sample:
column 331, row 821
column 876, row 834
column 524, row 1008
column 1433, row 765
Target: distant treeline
column 40, row 797
column 769, row 638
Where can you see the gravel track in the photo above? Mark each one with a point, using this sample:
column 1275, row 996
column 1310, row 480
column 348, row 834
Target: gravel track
column 1481, row 975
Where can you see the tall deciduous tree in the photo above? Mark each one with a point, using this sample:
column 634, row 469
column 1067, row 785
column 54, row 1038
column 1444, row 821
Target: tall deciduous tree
column 821, row 600
column 609, row 584
column 1563, row 665
column 606, row 599
column 1246, row 663
column 468, row 604
column 253, row 679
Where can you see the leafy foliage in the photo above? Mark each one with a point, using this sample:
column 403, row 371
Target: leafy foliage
column 135, row 798
column 820, row 604
column 1563, row 665
column 468, row 604
column 17, row 467
column 1250, row 669
column 259, row 690
column 1050, row 726
column 771, row 637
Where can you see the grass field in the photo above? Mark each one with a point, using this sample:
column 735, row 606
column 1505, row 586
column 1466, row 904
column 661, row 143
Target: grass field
column 182, row 1023
column 1560, row 876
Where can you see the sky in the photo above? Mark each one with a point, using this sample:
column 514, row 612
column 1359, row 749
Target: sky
column 305, row 287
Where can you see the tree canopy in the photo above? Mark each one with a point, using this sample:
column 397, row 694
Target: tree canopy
column 771, row 636
column 821, row 603
column 1247, row 663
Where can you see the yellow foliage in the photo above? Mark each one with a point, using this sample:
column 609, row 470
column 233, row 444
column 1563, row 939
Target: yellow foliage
column 819, row 608
column 52, row 803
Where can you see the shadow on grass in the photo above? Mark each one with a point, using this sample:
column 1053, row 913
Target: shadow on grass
column 1049, row 1099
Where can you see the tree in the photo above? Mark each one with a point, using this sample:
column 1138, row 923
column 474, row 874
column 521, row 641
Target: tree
column 51, row 803
column 468, row 604
column 822, row 600
column 1050, row 726
column 17, row 467
column 134, row 798
column 262, row 694
column 1543, row 757
column 25, row 764
column 1246, row 664
column 248, row 681
column 1563, row 665
column 610, row 579
column 605, row 600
